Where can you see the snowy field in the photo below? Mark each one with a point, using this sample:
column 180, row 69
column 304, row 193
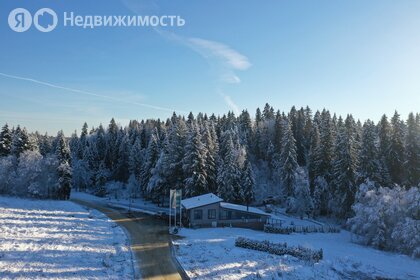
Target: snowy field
column 211, row 254
column 60, row 240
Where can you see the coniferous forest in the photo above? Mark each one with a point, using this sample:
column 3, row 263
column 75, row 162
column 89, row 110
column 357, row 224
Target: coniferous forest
column 366, row 175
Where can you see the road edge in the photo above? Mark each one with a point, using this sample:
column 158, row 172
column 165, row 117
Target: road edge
column 136, row 269
column 180, row 268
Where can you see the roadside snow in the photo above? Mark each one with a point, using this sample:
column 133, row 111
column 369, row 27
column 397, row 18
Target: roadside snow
column 44, row 239
column 211, row 254
column 137, row 204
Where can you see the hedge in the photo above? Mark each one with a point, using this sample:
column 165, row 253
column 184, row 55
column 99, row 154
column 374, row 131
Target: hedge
column 280, row 249
column 300, row 229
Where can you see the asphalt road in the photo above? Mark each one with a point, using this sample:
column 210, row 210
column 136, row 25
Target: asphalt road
column 149, row 242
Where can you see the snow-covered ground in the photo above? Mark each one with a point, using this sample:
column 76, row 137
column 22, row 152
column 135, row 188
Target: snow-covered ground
column 44, row 239
column 137, row 204
column 211, row 254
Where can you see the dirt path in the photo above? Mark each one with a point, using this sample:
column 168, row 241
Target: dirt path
column 149, row 242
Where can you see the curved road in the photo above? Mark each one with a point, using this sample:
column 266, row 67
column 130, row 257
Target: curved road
column 149, row 242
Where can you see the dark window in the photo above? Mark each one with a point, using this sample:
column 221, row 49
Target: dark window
column 198, row 214
column 225, row 215
column 211, row 214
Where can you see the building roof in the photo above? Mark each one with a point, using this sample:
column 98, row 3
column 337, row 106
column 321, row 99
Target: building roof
column 243, row 208
column 201, row 200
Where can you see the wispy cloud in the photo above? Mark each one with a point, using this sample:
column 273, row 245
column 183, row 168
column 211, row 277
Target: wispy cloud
column 227, row 58
column 231, row 104
column 88, row 93
column 224, row 58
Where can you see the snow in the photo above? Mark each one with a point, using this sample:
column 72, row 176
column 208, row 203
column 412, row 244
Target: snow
column 200, row 200
column 137, row 204
column 243, row 208
column 45, row 239
column 211, row 254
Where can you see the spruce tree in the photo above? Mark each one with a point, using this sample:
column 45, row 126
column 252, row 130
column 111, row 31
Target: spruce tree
column 369, row 158
column 326, row 149
column 412, row 151
column 344, row 169
column 288, row 161
column 384, row 134
column 82, row 141
column 151, row 157
column 5, row 141
column 20, row 141
column 313, row 157
column 194, row 164
column 135, row 159
column 247, row 184
column 229, row 173
column 64, row 169
column 121, row 171
column 212, row 148
column 396, row 150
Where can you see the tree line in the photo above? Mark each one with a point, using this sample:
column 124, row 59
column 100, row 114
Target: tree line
column 315, row 161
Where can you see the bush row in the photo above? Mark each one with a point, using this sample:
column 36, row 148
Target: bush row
column 300, row 229
column 280, row 249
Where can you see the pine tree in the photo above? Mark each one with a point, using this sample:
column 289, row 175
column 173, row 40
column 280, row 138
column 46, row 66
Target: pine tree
column 278, row 132
column 100, row 141
column 302, row 199
column 92, row 160
column 45, row 145
column 135, row 159
column 151, row 157
column 412, row 151
column 158, row 185
column 194, row 164
column 247, row 184
column 344, row 169
column 112, row 147
column 384, row 133
column 396, row 150
column 369, row 158
column 326, row 149
column 245, row 128
column 121, row 171
column 313, row 157
column 64, row 169
column 5, row 141
column 101, row 177
column 62, row 151
column 212, row 148
column 20, row 141
column 74, row 145
column 321, row 196
column 177, row 134
column 229, row 173
column 82, row 141
column 288, row 161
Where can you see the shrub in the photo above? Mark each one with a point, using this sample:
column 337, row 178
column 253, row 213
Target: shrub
column 280, row 249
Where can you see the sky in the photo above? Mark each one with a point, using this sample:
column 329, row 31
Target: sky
column 359, row 57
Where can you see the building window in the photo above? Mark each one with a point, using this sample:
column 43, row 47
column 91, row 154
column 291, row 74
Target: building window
column 211, row 214
column 225, row 215
column 198, row 214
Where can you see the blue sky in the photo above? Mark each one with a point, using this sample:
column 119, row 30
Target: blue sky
column 360, row 57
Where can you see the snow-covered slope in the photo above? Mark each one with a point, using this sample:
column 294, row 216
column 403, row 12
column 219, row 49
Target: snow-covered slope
column 211, row 254
column 60, row 240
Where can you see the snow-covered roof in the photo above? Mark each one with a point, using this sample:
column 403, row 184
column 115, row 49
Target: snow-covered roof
column 243, row 208
column 200, row 200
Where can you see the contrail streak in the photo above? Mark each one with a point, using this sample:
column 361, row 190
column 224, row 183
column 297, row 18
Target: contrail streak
column 90, row 93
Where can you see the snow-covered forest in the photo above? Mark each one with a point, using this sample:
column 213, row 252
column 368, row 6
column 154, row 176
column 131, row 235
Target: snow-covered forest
column 311, row 163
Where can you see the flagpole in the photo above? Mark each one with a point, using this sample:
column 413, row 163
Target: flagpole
column 180, row 208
